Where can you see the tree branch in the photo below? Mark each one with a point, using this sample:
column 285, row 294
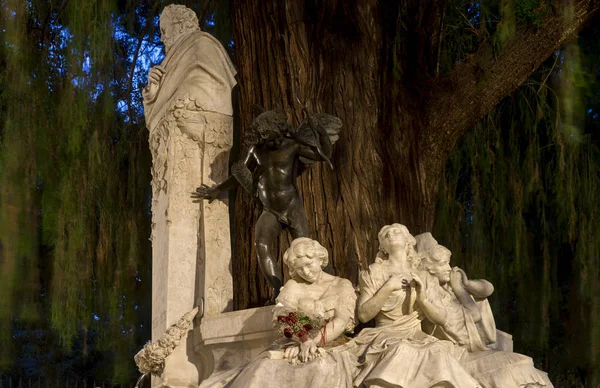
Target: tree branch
column 472, row 89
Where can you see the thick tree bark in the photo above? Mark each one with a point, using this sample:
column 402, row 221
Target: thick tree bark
column 374, row 65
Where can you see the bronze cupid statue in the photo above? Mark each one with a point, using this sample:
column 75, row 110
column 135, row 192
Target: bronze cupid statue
column 269, row 171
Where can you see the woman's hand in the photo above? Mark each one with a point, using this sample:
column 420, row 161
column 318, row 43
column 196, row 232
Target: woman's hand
column 464, row 276
column 308, row 350
column 419, row 287
column 397, row 282
column 291, row 352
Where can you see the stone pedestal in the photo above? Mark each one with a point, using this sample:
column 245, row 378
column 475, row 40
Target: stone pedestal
column 191, row 250
column 230, row 340
column 191, row 253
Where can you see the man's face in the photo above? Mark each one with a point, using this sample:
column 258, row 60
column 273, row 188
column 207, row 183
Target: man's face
column 440, row 266
column 169, row 32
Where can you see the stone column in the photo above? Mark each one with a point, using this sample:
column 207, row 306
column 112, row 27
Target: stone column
column 191, row 249
column 188, row 110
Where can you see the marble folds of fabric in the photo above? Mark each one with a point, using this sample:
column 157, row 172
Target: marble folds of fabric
column 336, row 368
column 491, row 368
column 498, row 369
column 396, row 353
column 333, row 370
column 340, row 295
column 197, row 67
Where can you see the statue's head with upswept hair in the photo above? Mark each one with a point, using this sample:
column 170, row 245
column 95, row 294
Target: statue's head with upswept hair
column 435, row 258
column 305, row 258
column 175, row 21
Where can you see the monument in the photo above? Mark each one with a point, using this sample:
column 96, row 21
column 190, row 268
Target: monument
column 433, row 326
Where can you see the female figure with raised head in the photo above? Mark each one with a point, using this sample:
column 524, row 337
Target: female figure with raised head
column 470, row 323
column 311, row 361
column 396, row 352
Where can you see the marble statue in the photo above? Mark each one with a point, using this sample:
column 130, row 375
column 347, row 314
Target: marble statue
column 188, row 112
column 269, row 172
column 196, row 69
column 470, row 323
column 399, row 296
column 315, row 361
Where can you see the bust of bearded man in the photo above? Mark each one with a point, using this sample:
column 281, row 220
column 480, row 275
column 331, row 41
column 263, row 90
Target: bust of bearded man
column 196, row 66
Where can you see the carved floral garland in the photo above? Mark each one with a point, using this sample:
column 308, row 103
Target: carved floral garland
column 151, row 359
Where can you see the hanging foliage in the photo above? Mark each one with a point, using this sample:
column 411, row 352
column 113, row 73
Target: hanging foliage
column 518, row 206
column 75, row 181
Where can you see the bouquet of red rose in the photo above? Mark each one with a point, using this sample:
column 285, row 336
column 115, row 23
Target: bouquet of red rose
column 297, row 324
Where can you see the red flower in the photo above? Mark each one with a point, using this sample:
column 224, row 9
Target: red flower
column 292, row 318
column 288, row 333
column 302, row 335
column 308, row 327
column 281, row 318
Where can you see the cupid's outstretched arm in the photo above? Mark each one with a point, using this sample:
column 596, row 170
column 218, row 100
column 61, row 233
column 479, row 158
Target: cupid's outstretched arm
column 211, row 193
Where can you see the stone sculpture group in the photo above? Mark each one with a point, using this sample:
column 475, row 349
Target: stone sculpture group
column 433, row 325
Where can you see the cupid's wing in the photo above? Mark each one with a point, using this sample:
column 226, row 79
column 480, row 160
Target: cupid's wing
column 307, row 138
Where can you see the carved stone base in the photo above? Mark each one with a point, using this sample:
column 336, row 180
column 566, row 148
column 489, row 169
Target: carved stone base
column 234, row 338
column 181, row 367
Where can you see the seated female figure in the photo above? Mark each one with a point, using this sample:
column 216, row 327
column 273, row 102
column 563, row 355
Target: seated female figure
column 310, row 361
column 396, row 353
column 470, row 323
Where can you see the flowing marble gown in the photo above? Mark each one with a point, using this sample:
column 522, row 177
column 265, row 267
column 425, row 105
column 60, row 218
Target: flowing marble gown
column 335, row 369
column 490, row 367
column 396, row 353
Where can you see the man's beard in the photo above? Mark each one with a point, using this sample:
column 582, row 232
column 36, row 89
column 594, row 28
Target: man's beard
column 169, row 43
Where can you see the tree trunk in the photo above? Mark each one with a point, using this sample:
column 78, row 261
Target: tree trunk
column 374, row 65
column 283, row 49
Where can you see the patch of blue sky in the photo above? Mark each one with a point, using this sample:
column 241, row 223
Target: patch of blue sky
column 210, row 21
column 98, row 91
column 474, row 13
column 123, row 109
column 151, row 54
column 65, row 36
column 78, row 81
column 469, row 213
column 87, row 64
